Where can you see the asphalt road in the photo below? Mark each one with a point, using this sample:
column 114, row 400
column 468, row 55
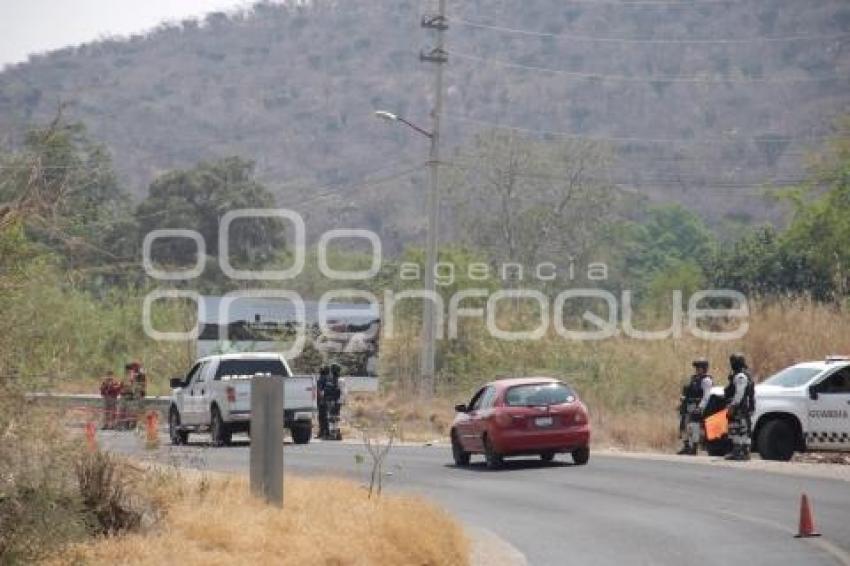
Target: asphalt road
column 613, row 511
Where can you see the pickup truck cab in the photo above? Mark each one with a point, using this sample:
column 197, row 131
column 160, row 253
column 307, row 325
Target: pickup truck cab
column 803, row 407
column 215, row 396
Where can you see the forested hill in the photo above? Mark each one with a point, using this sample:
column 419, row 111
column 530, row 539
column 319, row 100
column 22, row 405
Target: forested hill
column 701, row 100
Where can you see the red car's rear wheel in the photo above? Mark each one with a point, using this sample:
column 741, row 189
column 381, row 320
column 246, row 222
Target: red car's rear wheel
column 581, row 456
column 493, row 459
column 461, row 457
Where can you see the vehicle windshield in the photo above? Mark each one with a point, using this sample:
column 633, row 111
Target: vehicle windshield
column 538, row 395
column 794, row 376
column 250, row 367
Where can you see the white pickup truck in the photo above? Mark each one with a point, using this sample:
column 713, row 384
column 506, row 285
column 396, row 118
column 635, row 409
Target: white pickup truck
column 215, row 396
column 803, row 407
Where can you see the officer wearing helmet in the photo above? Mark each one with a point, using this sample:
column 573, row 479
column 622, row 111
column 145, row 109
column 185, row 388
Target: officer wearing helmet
column 740, row 395
column 695, row 396
column 322, row 402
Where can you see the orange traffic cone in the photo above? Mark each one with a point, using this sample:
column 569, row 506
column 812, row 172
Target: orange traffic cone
column 807, row 523
column 91, row 436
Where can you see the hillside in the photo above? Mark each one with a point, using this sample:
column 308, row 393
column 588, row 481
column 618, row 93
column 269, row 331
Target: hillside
column 293, row 87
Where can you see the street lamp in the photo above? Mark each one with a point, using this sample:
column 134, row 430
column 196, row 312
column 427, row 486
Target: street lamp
column 427, row 361
column 384, row 115
column 390, row 117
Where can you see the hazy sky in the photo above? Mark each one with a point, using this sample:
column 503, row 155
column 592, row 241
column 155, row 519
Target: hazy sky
column 34, row 26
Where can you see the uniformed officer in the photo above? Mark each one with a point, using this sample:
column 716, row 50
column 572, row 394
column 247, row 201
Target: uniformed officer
column 740, row 394
column 695, row 396
column 321, row 384
column 333, row 397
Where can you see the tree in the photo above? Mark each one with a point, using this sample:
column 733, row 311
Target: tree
column 524, row 201
column 62, row 186
column 762, row 264
column 198, row 198
column 667, row 237
column 811, row 257
column 677, row 275
column 665, row 248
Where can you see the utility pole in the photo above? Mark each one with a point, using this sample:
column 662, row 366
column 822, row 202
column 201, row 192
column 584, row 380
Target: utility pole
column 439, row 57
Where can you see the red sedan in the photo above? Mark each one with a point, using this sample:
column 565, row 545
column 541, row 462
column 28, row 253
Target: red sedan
column 523, row 416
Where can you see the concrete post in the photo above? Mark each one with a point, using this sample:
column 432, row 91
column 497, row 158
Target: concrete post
column 267, row 438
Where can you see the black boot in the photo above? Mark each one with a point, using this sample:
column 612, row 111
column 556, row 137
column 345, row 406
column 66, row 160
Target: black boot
column 737, row 454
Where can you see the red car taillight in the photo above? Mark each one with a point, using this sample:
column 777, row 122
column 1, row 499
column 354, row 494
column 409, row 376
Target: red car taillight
column 231, row 394
column 576, row 417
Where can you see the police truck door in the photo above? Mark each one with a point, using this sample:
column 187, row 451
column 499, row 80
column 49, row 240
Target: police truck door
column 829, row 413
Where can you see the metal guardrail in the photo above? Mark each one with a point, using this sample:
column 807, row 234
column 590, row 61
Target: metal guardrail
column 353, row 385
column 161, row 403
column 85, row 399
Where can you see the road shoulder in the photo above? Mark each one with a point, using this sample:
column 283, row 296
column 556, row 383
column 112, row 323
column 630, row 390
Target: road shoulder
column 490, row 550
column 800, row 469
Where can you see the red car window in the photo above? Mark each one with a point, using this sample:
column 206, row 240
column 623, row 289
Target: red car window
column 539, row 395
column 488, row 398
column 475, row 404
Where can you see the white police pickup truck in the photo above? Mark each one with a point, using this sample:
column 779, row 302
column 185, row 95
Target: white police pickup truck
column 803, row 407
column 215, row 396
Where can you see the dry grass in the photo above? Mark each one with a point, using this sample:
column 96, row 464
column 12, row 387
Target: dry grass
column 324, row 521
column 414, row 419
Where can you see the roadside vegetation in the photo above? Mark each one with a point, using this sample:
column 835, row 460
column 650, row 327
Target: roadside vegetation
column 72, row 283
column 54, row 492
column 62, row 503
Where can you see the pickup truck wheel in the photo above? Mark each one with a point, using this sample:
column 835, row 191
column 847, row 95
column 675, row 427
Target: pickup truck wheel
column 178, row 437
column 493, row 459
column 581, row 456
column 776, row 441
column 220, row 432
column 301, row 434
column 460, row 456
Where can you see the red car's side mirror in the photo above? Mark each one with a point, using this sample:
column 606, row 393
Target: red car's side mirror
column 460, row 408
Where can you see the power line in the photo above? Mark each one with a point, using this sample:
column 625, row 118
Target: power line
column 756, row 188
column 645, row 79
column 365, row 184
column 665, row 3
column 627, row 139
column 674, row 41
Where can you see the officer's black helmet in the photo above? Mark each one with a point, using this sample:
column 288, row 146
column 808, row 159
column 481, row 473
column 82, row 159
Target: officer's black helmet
column 701, row 363
column 336, row 370
column 737, row 362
